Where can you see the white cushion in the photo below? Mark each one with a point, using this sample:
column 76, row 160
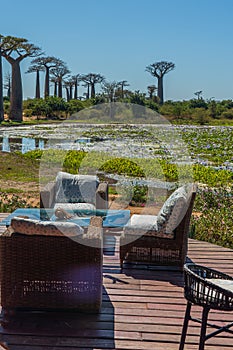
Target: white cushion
column 145, row 225
column 76, row 207
column 47, row 228
column 225, row 284
column 147, row 222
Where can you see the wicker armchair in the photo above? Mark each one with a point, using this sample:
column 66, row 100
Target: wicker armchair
column 145, row 241
column 49, row 269
column 209, row 289
column 75, row 192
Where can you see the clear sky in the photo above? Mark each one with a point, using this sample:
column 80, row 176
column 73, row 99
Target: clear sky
column 120, row 38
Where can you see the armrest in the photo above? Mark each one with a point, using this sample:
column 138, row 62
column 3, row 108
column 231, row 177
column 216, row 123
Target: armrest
column 95, row 228
column 47, row 195
column 102, row 196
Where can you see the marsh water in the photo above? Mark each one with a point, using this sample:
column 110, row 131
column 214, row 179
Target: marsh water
column 130, row 141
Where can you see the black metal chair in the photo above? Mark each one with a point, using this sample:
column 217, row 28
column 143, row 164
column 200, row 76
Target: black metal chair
column 210, row 289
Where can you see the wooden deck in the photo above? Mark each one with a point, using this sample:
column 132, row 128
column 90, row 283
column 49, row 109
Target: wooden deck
column 142, row 309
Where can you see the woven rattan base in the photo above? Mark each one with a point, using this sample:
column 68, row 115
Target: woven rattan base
column 50, row 272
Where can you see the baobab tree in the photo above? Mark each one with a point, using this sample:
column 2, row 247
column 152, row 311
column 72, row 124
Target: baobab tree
column 54, row 80
column 198, row 94
column 151, row 89
column 46, row 63
column 36, row 68
column 14, row 50
column 76, row 79
column 158, row 70
column 92, row 79
column 109, row 89
column 59, row 72
column 67, row 87
column 87, row 94
column 123, row 84
column 70, row 83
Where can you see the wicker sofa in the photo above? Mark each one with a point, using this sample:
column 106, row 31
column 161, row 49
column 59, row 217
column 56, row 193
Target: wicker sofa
column 160, row 240
column 49, row 265
column 75, row 192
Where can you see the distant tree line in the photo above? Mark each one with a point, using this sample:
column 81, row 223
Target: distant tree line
column 15, row 50
column 58, row 76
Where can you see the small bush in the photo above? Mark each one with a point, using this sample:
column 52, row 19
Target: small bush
column 228, row 114
column 122, row 166
column 213, row 221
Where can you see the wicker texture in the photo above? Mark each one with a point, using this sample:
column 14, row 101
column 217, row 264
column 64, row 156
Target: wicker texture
column 52, row 272
column 202, row 287
column 200, row 290
column 151, row 249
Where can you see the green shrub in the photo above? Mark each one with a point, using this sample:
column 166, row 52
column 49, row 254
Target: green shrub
column 27, row 112
column 122, row 166
column 213, row 221
column 228, row 114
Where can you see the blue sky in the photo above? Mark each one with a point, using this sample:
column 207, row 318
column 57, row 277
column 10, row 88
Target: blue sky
column 120, row 38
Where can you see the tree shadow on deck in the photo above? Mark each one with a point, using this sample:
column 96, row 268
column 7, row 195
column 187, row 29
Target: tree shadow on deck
column 162, row 274
column 159, row 273
column 60, row 330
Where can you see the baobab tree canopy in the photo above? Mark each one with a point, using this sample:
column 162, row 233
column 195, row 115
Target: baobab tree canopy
column 46, row 63
column 158, row 70
column 14, row 50
column 92, row 79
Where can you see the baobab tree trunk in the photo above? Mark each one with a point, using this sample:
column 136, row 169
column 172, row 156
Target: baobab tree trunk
column 88, row 91
column 55, row 89
column 67, row 94
column 1, row 88
column 71, row 93
column 60, row 88
column 16, row 106
column 37, row 84
column 46, row 87
column 160, row 89
column 92, row 90
column 76, row 91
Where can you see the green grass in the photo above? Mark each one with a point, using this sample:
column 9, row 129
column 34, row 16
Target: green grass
column 11, row 190
column 16, row 167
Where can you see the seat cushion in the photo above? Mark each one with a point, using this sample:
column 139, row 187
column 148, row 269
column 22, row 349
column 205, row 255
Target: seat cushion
column 173, row 209
column 222, row 283
column 145, row 225
column 47, row 228
column 76, row 188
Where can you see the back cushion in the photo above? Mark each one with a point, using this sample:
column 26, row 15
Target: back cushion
column 76, row 188
column 174, row 209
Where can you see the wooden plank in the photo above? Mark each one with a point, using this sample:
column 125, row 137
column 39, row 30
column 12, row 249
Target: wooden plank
column 142, row 309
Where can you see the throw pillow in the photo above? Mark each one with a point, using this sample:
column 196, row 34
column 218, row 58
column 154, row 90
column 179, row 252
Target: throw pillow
column 76, row 188
column 173, row 210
